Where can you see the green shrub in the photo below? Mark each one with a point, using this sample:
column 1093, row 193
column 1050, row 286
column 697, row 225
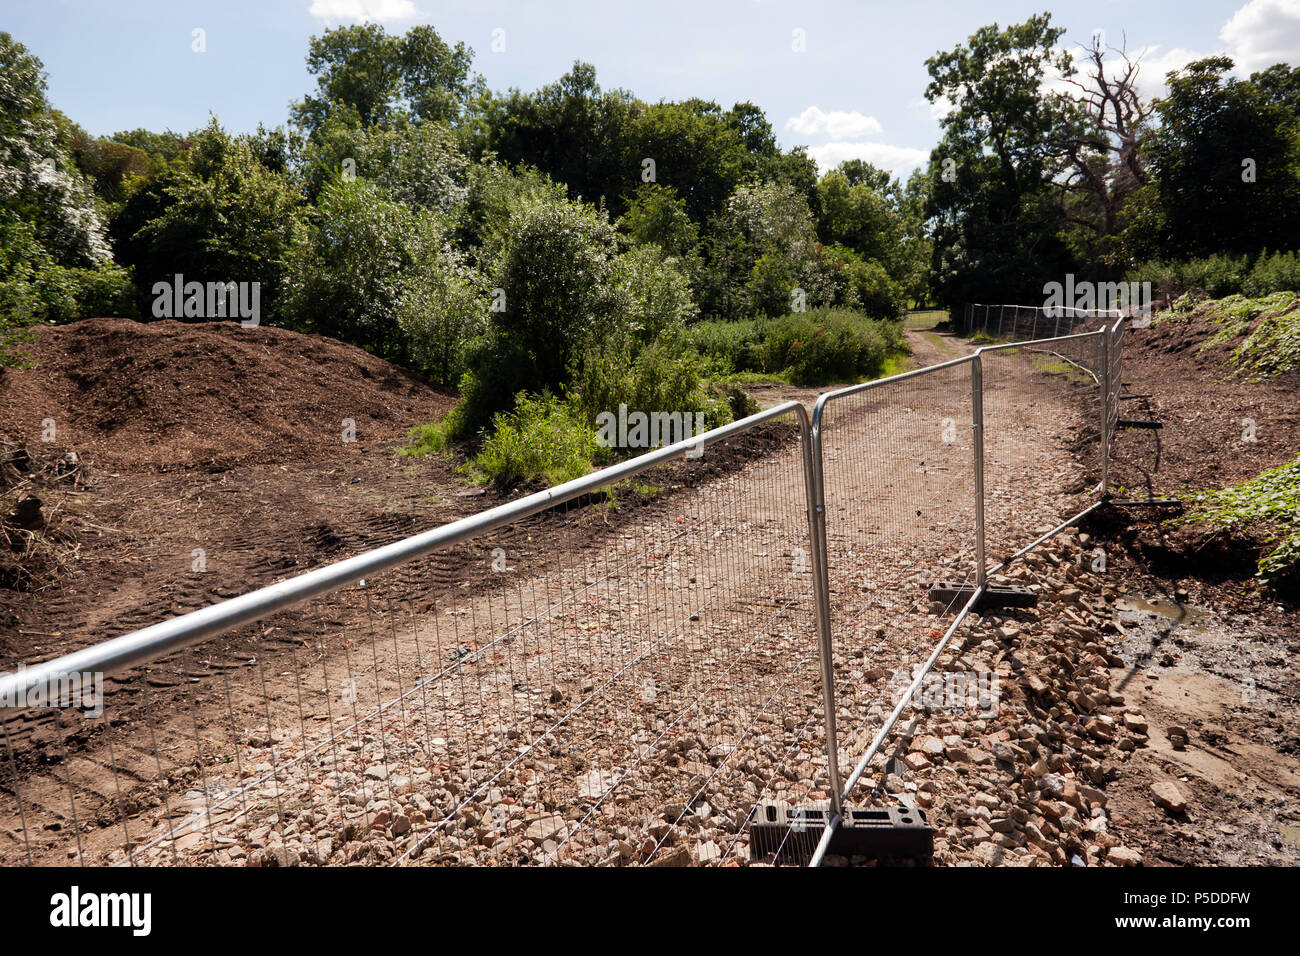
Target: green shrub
column 1215, row 276
column 441, row 309
column 804, row 348
column 661, row 378
column 34, row 289
column 864, row 285
column 658, row 292
column 543, row 439
column 1272, row 498
column 729, row 346
column 1279, row 272
column 825, row 346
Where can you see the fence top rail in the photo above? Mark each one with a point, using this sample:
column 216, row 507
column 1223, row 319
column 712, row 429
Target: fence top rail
column 1038, row 343
column 1096, row 313
column 877, row 383
column 150, row 643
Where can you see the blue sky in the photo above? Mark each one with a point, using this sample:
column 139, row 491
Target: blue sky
column 856, row 89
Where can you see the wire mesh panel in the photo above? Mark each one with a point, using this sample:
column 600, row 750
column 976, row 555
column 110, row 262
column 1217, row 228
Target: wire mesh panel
column 1024, row 323
column 621, row 679
column 898, row 472
column 1042, row 437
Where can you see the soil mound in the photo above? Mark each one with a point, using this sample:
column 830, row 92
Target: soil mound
column 1220, row 427
column 208, row 396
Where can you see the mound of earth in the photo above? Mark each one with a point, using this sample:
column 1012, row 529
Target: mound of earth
column 1219, row 427
column 208, row 396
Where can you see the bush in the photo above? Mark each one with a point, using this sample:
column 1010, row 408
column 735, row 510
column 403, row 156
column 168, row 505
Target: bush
column 1215, row 276
column 1279, row 272
column 566, row 297
column 864, row 286
column 34, row 289
column 804, row 348
column 218, row 216
column 658, row 293
column 730, row 346
column 442, row 307
column 661, row 378
column 543, row 439
column 1273, row 499
column 826, row 346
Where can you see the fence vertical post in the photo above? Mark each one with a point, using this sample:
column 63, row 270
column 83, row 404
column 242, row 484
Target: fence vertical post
column 977, row 430
column 1002, row 310
column 1105, row 411
column 815, row 496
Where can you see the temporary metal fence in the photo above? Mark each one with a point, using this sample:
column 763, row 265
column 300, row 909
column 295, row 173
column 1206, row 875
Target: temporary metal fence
column 1022, row 323
column 622, row 669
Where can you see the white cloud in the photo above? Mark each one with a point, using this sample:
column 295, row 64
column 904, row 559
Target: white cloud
column 899, row 160
column 1262, row 33
column 940, row 108
column 366, row 11
column 836, row 124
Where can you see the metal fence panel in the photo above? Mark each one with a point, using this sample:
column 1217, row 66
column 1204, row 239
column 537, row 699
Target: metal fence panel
column 898, row 461
column 593, row 683
column 619, row 670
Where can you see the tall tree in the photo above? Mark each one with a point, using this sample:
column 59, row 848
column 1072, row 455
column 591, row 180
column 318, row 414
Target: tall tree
column 1226, row 162
column 997, row 227
column 370, row 73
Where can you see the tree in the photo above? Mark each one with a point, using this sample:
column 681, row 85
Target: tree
column 763, row 249
column 55, row 263
column 352, row 271
column 39, row 182
column 417, row 163
column 656, row 215
column 442, row 307
column 572, row 131
column 1107, row 162
column 997, row 226
column 1226, row 165
column 218, row 216
column 374, row 75
column 859, row 216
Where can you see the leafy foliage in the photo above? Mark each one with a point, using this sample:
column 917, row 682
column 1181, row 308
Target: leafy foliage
column 1273, row 498
column 804, row 348
column 543, row 438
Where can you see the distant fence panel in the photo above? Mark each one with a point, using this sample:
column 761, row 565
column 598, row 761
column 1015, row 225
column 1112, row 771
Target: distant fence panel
column 1025, row 323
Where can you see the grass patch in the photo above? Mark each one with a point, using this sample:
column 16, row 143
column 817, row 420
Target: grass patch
column 925, row 320
column 542, row 439
column 895, row 364
column 1273, row 499
column 431, row 438
column 1053, row 365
